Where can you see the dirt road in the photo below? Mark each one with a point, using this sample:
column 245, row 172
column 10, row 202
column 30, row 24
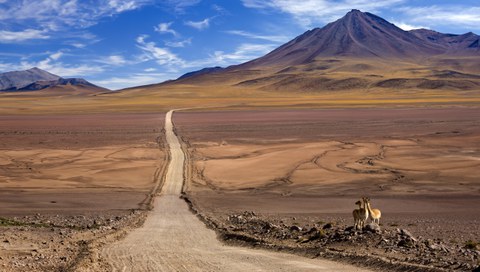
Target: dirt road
column 173, row 239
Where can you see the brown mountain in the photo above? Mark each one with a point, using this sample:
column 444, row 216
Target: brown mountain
column 357, row 34
column 358, row 51
column 452, row 44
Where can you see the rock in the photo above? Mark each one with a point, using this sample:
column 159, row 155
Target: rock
column 328, row 226
column 295, row 228
column 312, row 230
column 406, row 233
column 374, row 228
column 406, row 243
column 349, row 228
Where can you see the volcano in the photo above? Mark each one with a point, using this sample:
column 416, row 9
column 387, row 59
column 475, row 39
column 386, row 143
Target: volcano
column 365, row 35
column 359, row 51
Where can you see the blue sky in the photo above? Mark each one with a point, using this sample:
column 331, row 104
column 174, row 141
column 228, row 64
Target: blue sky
column 124, row 43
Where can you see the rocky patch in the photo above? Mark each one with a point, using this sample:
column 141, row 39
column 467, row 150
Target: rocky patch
column 384, row 244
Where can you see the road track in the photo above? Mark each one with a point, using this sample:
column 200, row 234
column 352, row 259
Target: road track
column 174, row 239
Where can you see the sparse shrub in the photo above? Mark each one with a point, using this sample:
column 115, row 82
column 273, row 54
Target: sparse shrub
column 5, row 222
column 471, row 244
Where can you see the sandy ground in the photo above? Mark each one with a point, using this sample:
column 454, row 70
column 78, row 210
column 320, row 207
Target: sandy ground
column 66, row 179
column 174, row 239
column 83, row 174
column 419, row 166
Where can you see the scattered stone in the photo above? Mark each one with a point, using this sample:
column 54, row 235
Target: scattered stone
column 406, row 243
column 328, row 226
column 295, row 228
column 406, row 233
column 374, row 228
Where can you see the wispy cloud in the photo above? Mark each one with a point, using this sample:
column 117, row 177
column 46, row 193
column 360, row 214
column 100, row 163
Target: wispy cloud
column 179, row 43
column 58, row 15
column 138, row 79
column 179, row 6
column 165, row 28
column 431, row 16
column 244, row 52
column 406, row 26
column 113, row 60
column 20, row 36
column 163, row 56
column 310, row 12
column 271, row 38
column 200, row 25
column 53, row 64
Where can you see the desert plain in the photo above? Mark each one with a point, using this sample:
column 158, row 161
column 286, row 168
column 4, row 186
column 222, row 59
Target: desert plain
column 71, row 180
column 63, row 176
column 417, row 164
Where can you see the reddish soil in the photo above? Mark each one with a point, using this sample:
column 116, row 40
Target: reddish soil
column 419, row 166
column 70, row 179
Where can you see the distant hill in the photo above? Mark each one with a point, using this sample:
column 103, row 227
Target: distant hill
column 35, row 79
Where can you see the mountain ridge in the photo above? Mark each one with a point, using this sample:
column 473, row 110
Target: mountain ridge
column 362, row 35
column 35, row 79
column 358, row 51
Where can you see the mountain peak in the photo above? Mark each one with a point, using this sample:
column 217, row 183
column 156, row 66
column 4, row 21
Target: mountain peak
column 354, row 14
column 35, row 69
column 357, row 34
column 36, row 79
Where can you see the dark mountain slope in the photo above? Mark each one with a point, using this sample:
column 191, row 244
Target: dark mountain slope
column 357, row 34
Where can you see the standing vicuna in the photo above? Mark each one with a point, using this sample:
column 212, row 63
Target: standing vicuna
column 360, row 215
column 375, row 214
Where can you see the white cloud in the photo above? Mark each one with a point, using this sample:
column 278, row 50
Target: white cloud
column 151, row 51
column 56, row 56
column 165, row 28
column 139, row 79
column 244, row 52
column 271, row 38
column 407, row 27
column 78, row 45
column 57, row 15
column 52, row 65
column 453, row 15
column 20, row 36
column 121, row 6
column 180, row 5
column 179, row 43
column 220, row 9
column 114, row 60
column 310, row 12
column 200, row 25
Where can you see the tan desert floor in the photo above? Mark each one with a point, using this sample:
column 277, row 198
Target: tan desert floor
column 67, row 179
column 173, row 239
column 76, row 164
column 419, row 166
